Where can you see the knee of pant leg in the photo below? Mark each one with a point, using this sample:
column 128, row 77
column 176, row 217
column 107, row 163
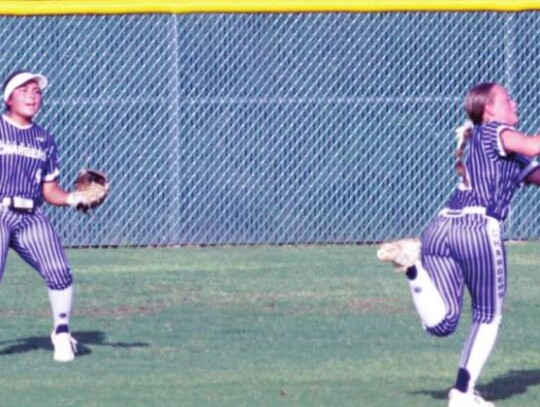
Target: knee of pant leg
column 60, row 285
column 446, row 327
column 59, row 281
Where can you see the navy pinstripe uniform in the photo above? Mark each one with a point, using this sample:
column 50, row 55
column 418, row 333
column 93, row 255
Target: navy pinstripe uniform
column 28, row 177
column 29, row 157
column 463, row 246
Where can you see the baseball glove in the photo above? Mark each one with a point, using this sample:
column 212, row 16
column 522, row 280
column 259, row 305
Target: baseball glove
column 91, row 187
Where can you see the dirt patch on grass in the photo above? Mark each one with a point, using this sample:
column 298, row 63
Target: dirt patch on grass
column 121, row 310
column 355, row 306
column 374, row 304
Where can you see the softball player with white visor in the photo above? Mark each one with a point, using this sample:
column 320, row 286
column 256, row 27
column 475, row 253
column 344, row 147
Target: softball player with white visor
column 29, row 171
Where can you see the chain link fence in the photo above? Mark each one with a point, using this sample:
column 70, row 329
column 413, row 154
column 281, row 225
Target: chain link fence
column 269, row 128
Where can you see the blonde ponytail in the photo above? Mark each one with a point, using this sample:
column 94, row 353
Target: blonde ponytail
column 463, row 134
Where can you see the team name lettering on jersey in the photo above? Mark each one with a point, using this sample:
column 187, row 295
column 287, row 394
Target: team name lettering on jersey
column 28, row 157
column 24, row 151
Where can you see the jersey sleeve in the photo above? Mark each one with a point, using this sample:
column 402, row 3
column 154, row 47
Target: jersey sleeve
column 498, row 141
column 491, row 140
column 51, row 169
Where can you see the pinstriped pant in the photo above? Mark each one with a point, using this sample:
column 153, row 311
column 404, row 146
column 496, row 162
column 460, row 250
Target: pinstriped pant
column 35, row 240
column 465, row 251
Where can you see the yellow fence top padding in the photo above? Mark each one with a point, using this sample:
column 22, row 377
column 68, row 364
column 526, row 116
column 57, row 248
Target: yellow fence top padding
column 59, row 7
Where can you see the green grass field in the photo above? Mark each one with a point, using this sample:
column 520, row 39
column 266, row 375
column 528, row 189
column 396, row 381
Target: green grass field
column 252, row 326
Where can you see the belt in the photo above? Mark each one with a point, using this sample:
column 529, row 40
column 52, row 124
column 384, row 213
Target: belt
column 17, row 203
column 468, row 210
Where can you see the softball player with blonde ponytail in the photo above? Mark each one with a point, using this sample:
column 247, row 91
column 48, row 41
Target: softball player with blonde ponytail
column 462, row 246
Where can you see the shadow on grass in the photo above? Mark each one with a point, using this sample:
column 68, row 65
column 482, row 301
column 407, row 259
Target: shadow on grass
column 501, row 388
column 84, row 339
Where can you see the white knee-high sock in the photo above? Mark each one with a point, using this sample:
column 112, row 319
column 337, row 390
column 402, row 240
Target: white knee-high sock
column 427, row 299
column 61, row 302
column 477, row 349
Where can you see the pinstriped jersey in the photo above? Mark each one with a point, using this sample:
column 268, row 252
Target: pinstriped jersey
column 28, row 156
column 494, row 175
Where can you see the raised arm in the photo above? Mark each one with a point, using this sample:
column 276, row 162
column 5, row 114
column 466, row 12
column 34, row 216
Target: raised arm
column 516, row 142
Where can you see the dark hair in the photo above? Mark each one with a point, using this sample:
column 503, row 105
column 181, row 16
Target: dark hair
column 10, row 77
column 475, row 104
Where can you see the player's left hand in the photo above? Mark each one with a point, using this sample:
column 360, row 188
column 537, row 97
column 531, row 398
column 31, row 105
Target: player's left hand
column 91, row 189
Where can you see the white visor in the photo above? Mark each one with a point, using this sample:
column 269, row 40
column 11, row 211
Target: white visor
column 20, row 79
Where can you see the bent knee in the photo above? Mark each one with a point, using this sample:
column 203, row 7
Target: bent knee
column 446, row 327
column 58, row 279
